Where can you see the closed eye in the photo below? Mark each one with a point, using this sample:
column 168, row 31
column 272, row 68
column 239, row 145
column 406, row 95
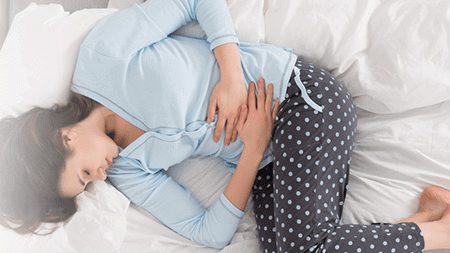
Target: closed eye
column 87, row 172
column 81, row 182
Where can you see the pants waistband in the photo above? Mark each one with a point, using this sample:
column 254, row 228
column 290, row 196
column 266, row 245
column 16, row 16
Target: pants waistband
column 304, row 93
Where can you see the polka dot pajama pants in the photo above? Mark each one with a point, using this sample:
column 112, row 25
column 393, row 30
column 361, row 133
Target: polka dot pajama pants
column 299, row 197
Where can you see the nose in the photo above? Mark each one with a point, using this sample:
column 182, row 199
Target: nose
column 100, row 174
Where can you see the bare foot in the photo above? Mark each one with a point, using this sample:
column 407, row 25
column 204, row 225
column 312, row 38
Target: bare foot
column 434, row 201
column 445, row 232
column 436, row 234
column 433, row 204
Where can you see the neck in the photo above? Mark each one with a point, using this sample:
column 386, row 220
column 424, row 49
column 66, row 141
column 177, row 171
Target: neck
column 101, row 119
column 121, row 131
column 107, row 119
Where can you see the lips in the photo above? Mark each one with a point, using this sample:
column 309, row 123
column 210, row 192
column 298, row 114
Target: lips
column 109, row 162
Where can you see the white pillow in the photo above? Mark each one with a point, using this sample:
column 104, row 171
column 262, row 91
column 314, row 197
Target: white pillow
column 393, row 56
column 39, row 55
column 37, row 63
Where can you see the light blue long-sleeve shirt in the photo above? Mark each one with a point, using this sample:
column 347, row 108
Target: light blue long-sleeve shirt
column 161, row 84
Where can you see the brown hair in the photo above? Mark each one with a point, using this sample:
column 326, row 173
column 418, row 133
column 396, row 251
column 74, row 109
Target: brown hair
column 32, row 155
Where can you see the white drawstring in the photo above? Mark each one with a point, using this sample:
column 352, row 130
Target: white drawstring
column 302, row 88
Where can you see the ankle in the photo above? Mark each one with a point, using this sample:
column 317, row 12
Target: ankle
column 436, row 234
column 422, row 216
column 430, row 215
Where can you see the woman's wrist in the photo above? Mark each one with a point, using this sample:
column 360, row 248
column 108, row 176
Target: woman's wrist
column 239, row 187
column 254, row 152
column 229, row 61
column 235, row 76
column 232, row 71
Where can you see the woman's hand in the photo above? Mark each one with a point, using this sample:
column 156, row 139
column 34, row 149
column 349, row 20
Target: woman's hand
column 255, row 129
column 228, row 94
column 255, row 123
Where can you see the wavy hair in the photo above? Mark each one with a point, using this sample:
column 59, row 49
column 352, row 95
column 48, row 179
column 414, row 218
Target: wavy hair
column 32, row 156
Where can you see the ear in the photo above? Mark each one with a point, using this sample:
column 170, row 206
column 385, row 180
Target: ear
column 68, row 135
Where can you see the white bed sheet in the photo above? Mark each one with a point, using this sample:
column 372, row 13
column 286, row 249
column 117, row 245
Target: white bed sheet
column 9, row 8
column 393, row 58
column 205, row 186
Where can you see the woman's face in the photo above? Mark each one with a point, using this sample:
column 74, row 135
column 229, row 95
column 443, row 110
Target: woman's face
column 92, row 152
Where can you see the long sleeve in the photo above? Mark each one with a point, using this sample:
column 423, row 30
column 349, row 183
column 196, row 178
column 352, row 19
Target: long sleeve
column 120, row 66
column 173, row 205
column 125, row 32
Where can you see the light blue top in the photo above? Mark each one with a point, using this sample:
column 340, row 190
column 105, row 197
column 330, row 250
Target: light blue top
column 162, row 83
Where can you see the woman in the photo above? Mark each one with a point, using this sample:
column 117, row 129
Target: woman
column 145, row 101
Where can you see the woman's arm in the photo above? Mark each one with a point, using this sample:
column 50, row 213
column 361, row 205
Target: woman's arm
column 229, row 93
column 255, row 129
column 172, row 203
column 124, row 32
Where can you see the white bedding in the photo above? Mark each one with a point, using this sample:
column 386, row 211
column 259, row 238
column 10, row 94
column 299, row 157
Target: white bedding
column 393, row 56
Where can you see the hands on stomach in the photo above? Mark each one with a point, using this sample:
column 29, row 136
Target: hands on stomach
column 256, row 119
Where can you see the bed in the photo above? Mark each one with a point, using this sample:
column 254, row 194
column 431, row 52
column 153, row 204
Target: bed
column 392, row 55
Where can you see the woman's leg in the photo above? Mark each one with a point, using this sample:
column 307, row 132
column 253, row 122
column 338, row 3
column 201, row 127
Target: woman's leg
column 433, row 217
column 433, row 203
column 437, row 233
column 312, row 155
column 263, row 207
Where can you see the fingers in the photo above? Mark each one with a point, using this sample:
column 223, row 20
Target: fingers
column 211, row 110
column 269, row 97
column 229, row 132
column 242, row 117
column 227, row 121
column 236, row 120
column 268, row 102
column 275, row 109
column 260, row 103
column 261, row 94
column 220, row 124
column 251, row 97
column 235, row 133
